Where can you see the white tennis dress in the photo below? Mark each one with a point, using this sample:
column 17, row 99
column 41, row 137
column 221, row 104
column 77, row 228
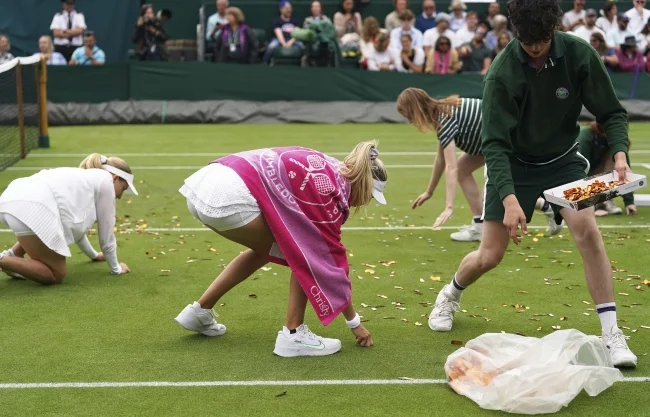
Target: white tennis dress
column 60, row 205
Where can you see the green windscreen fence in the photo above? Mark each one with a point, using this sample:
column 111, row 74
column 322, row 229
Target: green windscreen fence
column 18, row 106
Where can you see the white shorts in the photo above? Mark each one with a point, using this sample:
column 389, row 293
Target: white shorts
column 222, row 224
column 19, row 228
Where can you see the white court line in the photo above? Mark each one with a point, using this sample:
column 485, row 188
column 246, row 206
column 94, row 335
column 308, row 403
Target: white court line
column 189, row 167
column 218, row 154
column 159, row 384
column 361, row 228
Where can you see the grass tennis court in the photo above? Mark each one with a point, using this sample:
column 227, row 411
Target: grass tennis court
column 119, row 329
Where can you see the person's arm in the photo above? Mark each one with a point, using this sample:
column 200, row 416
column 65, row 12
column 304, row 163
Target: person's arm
column 455, row 64
column 372, row 63
column 428, row 69
column 418, row 61
column 359, row 23
column 611, row 60
column 600, row 99
column 486, row 65
column 280, row 36
column 500, row 115
column 451, row 175
column 100, row 59
column 210, row 29
column 80, row 25
column 353, row 321
column 105, row 207
column 87, row 248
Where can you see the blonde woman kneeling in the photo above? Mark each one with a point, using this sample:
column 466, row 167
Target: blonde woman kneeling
column 55, row 208
column 287, row 206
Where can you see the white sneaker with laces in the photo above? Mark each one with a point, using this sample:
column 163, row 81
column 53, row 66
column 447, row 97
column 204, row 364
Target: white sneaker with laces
column 471, row 233
column 200, row 320
column 553, row 228
column 304, row 343
column 10, row 253
column 612, row 208
column 442, row 317
column 621, row 354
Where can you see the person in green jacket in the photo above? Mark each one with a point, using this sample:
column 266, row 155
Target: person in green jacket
column 534, row 93
column 592, row 144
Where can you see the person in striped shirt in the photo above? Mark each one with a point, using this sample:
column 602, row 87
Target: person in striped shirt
column 457, row 123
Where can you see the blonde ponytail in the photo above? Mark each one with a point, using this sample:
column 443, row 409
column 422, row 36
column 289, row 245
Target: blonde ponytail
column 424, row 112
column 359, row 169
column 96, row 161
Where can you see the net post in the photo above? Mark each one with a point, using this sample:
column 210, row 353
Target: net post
column 43, row 127
column 21, row 109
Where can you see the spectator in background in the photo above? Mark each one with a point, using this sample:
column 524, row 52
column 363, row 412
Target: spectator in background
column 630, row 59
column 317, row 14
column 68, row 27
column 615, row 37
column 494, row 9
column 504, row 40
column 607, row 21
column 347, row 22
column 442, row 29
column 405, row 28
column 589, row 28
column 89, row 54
column 442, row 59
column 392, row 18
column 575, row 17
column 476, row 56
column 5, row 46
column 46, row 51
column 607, row 54
column 369, row 34
column 427, row 19
column 500, row 26
column 409, row 59
column 283, row 25
column 466, row 33
column 216, row 20
column 149, row 35
column 236, row 42
column 458, row 15
column 381, row 59
column 638, row 15
column 643, row 38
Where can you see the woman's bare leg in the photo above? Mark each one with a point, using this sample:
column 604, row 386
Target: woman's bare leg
column 297, row 304
column 467, row 164
column 44, row 266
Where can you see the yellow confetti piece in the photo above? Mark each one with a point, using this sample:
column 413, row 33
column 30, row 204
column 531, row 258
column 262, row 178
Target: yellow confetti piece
column 535, row 239
column 359, row 276
column 417, row 323
column 405, row 378
column 212, row 250
column 190, row 261
column 266, row 268
column 556, row 327
column 369, row 271
column 623, row 294
column 397, row 287
column 373, row 308
column 165, row 270
column 645, row 327
column 422, row 280
column 566, row 251
column 586, row 314
column 586, row 302
column 389, row 317
column 434, row 279
column 364, row 305
column 646, row 282
column 381, row 296
column 405, row 320
column 369, row 266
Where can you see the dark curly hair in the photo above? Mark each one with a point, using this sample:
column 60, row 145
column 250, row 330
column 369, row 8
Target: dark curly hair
column 534, row 20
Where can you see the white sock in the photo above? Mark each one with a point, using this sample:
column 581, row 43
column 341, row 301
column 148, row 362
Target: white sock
column 607, row 316
column 454, row 289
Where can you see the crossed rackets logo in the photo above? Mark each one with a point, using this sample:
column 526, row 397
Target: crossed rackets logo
column 323, row 183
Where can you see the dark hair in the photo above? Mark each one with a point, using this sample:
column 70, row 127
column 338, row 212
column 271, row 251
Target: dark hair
column 471, row 13
column 439, row 41
column 407, row 35
column 145, row 7
column 608, row 6
column 534, row 20
column 354, row 7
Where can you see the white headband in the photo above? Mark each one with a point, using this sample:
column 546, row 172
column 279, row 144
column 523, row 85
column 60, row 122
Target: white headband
column 124, row 175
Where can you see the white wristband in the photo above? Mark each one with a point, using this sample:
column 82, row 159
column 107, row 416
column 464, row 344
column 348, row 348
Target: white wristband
column 355, row 322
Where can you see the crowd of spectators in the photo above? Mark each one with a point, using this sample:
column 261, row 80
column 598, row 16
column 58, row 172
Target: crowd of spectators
column 430, row 41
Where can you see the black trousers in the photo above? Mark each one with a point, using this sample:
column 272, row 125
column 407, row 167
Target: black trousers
column 65, row 50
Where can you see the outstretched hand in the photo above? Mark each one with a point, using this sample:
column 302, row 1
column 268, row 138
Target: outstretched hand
column 421, row 199
column 444, row 216
column 362, row 336
column 514, row 218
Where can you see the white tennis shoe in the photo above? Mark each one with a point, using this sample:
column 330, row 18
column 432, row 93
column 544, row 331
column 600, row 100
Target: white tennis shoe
column 304, row 343
column 619, row 351
column 200, row 320
column 471, row 233
column 441, row 318
column 10, row 253
column 553, row 228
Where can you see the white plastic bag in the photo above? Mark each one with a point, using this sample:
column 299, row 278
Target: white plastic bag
column 527, row 375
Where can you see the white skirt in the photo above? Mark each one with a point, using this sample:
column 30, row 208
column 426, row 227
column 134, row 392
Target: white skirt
column 217, row 191
column 34, row 205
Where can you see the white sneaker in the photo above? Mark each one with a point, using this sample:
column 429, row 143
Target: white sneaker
column 471, row 233
column 612, row 208
column 442, row 317
column 200, row 320
column 553, row 228
column 10, row 253
column 619, row 351
column 304, row 343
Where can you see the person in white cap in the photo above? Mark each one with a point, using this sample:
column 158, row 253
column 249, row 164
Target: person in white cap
column 286, row 206
column 442, row 28
column 55, row 208
column 458, row 15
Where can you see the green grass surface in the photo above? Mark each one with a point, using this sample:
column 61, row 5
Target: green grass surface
column 98, row 327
